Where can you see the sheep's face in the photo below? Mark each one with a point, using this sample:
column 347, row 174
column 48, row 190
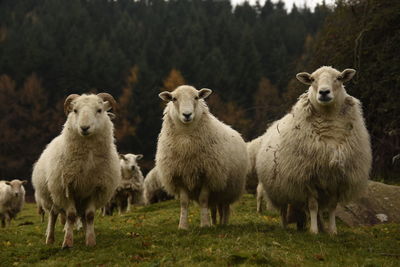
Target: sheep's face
column 129, row 162
column 17, row 188
column 88, row 113
column 186, row 102
column 326, row 84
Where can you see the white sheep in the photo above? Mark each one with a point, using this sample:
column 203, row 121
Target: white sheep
column 319, row 154
column 153, row 190
column 132, row 178
column 251, row 179
column 12, row 199
column 198, row 157
column 79, row 170
column 262, row 199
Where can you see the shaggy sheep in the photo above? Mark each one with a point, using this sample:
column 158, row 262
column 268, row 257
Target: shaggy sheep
column 79, row 170
column 198, row 157
column 319, row 154
column 251, row 179
column 153, row 189
column 12, row 199
column 132, row 179
column 130, row 189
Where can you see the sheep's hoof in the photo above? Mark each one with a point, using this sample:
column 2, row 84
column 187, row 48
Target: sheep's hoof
column 91, row 240
column 68, row 242
column 183, row 227
column 332, row 232
column 206, row 224
column 49, row 240
column 314, row 231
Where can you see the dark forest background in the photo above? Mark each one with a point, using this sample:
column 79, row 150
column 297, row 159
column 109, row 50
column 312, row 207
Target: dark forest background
column 248, row 55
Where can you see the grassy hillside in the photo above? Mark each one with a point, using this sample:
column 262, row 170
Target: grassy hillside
column 148, row 236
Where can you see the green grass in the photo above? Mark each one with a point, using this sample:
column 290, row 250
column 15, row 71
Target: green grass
column 149, row 236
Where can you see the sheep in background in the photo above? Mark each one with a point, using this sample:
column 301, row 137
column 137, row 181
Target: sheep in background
column 154, row 191
column 252, row 179
column 130, row 189
column 12, row 199
column 319, row 154
column 262, row 199
column 198, row 157
column 79, row 170
column 132, row 179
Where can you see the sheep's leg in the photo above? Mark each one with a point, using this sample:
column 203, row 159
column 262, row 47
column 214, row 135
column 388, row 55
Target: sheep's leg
column 214, row 215
column 221, row 213
column 321, row 224
column 284, row 216
column 203, row 201
column 332, row 221
column 260, row 196
column 313, row 208
column 3, row 222
column 50, row 226
column 129, row 202
column 226, row 214
column 69, row 227
column 41, row 213
column 184, row 199
column 89, row 218
column 8, row 219
column 63, row 219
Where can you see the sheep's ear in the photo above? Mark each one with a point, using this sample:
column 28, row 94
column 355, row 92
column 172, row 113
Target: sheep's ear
column 204, row 93
column 24, row 182
column 111, row 115
column 67, row 103
column 346, row 75
column 7, row 183
column 139, row 156
column 166, row 96
column 304, row 77
column 121, row 156
column 109, row 101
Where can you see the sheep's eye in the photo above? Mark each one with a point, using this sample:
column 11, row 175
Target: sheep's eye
column 99, row 110
column 75, row 111
column 312, row 79
column 173, row 99
column 196, row 98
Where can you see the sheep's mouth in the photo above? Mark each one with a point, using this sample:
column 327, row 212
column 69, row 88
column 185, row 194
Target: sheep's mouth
column 325, row 99
column 85, row 133
column 186, row 120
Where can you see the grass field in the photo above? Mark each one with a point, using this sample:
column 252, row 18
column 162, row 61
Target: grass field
column 148, row 236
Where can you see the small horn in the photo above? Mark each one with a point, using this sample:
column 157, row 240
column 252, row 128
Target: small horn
column 109, row 98
column 67, row 103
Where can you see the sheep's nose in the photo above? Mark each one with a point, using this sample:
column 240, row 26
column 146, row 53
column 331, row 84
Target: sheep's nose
column 324, row 92
column 85, row 128
column 187, row 115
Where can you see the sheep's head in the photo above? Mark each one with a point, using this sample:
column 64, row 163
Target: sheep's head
column 17, row 188
column 186, row 102
column 326, row 84
column 88, row 113
column 129, row 162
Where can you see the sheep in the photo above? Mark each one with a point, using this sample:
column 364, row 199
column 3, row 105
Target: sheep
column 319, row 154
column 79, row 170
column 198, row 157
column 132, row 179
column 130, row 189
column 153, row 190
column 12, row 199
column 252, row 148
